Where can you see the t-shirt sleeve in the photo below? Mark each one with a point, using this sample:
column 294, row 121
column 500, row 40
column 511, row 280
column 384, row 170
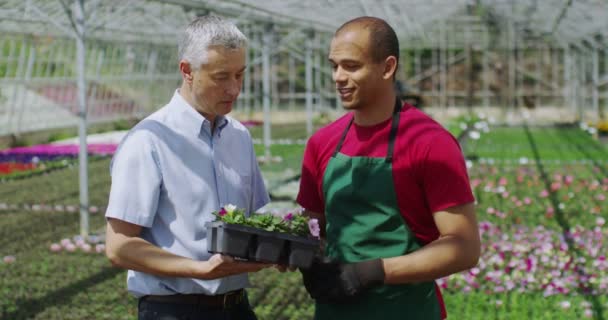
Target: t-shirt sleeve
column 309, row 195
column 136, row 181
column 444, row 174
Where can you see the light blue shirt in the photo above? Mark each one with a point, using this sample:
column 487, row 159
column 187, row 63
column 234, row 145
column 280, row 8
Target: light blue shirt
column 169, row 174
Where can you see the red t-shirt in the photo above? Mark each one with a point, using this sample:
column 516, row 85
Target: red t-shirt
column 429, row 172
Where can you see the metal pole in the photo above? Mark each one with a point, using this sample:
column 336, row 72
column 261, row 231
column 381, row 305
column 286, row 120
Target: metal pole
column 247, row 80
column 317, row 72
column 257, row 83
column 554, row 59
column 267, row 42
column 566, row 83
column 309, row 84
column 595, row 94
column 292, row 81
column 82, row 123
column 512, row 47
column 443, row 65
column 21, row 82
column 23, row 92
column 580, row 93
column 486, row 70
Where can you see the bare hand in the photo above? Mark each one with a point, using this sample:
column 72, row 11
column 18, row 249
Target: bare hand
column 220, row 266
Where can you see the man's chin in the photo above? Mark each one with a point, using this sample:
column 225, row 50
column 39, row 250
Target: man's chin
column 349, row 105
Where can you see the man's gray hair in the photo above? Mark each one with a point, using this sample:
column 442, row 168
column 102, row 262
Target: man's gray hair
column 207, row 31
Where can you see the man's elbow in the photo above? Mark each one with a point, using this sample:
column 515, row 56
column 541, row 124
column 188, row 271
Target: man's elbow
column 473, row 254
column 113, row 257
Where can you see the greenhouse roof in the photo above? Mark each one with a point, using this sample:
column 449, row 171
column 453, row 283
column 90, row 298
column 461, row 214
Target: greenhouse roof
column 576, row 22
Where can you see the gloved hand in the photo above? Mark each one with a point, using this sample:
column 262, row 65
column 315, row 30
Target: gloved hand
column 330, row 281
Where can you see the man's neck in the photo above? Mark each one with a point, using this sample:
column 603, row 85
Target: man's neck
column 185, row 92
column 381, row 110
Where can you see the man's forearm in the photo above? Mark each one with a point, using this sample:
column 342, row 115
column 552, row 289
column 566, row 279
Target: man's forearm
column 137, row 254
column 440, row 258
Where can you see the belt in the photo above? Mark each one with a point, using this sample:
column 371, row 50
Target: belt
column 226, row 300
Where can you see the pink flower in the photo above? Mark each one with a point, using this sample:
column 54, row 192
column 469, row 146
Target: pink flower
column 544, row 194
column 313, row 226
column 99, row 248
column 65, row 242
column 550, row 212
column 55, row 247
column 222, row 212
column 9, row 259
column 502, row 181
column 288, row 217
column 600, row 197
column 475, row 183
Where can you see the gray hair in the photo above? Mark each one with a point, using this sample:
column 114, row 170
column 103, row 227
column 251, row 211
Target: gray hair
column 207, row 31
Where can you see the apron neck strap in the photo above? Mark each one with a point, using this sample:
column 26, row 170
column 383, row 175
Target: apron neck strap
column 391, row 138
column 393, row 135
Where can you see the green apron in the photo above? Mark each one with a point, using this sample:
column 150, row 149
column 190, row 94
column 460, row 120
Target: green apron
column 364, row 222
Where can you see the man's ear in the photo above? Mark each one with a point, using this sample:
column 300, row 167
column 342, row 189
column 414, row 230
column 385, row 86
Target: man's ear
column 390, row 67
column 186, row 71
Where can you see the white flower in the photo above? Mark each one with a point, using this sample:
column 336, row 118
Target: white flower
column 469, row 164
column 474, row 135
column 230, row 208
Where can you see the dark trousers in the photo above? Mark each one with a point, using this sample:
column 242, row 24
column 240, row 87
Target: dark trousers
column 153, row 310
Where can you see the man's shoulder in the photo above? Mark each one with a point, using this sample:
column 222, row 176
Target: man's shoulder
column 422, row 132
column 149, row 129
column 422, row 124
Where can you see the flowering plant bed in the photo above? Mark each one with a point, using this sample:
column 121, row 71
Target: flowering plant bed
column 290, row 240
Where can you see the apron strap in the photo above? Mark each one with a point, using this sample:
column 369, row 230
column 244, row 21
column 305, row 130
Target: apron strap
column 339, row 146
column 393, row 135
column 391, row 138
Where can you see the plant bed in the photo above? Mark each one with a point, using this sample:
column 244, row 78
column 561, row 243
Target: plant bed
column 290, row 240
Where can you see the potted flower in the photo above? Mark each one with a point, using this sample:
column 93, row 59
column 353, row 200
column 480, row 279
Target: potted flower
column 291, row 239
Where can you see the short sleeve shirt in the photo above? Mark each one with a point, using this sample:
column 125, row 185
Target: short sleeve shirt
column 429, row 172
column 169, row 174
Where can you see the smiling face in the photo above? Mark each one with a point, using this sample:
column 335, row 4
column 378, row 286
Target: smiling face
column 213, row 88
column 357, row 76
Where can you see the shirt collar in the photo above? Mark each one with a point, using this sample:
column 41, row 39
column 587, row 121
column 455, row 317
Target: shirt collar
column 190, row 120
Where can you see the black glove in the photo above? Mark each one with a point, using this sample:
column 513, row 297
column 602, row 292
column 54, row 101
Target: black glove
column 330, row 281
